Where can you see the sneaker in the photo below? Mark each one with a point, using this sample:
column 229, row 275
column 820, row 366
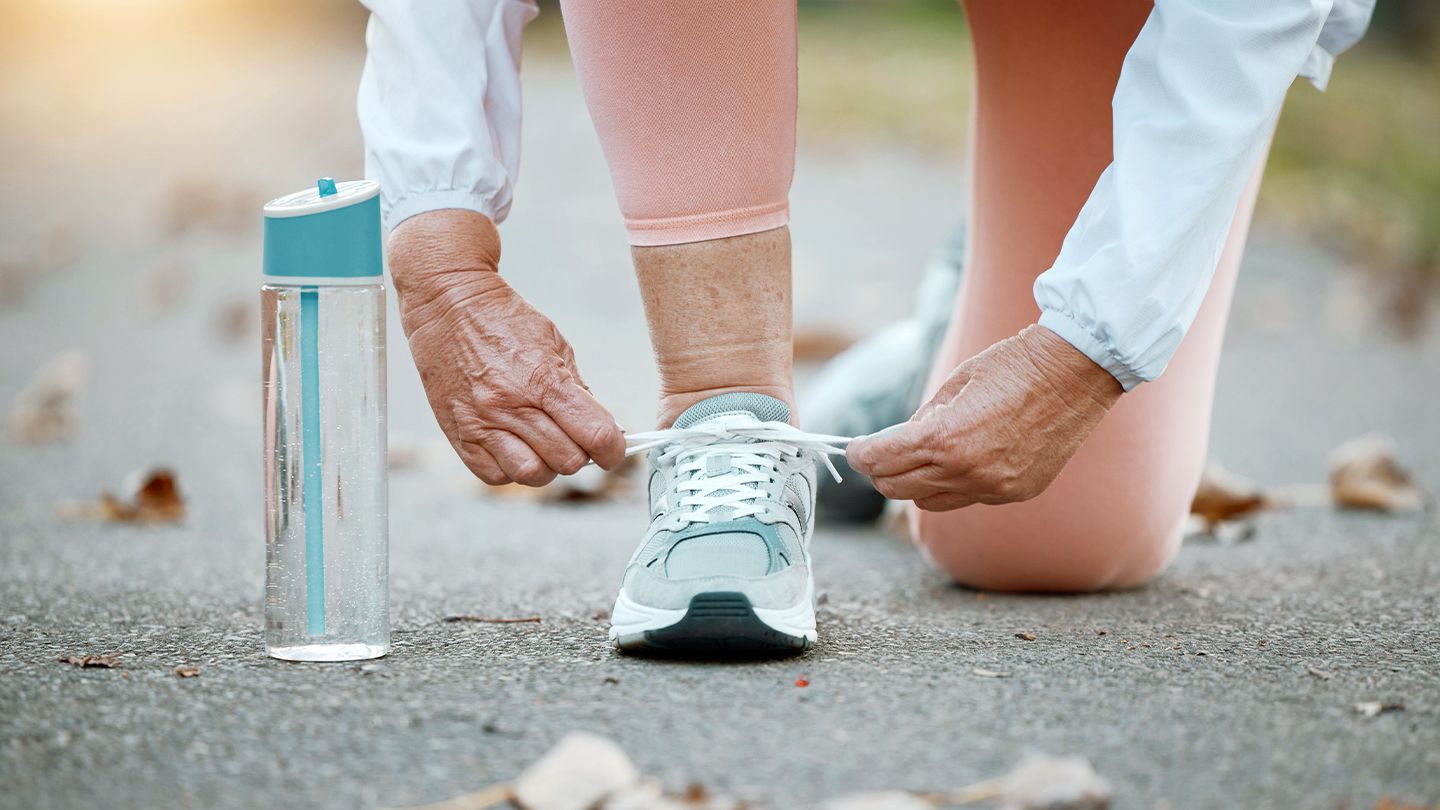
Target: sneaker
column 724, row 569
column 880, row 380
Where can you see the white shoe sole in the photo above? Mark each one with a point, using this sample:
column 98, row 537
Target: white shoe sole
column 716, row 622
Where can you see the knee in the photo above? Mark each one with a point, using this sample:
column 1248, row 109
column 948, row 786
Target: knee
column 1013, row 548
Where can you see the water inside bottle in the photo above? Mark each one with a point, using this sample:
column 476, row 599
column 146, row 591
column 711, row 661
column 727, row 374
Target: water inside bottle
column 326, row 596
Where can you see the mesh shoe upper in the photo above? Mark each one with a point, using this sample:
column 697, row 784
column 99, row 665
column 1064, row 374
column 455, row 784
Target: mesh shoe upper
column 728, row 512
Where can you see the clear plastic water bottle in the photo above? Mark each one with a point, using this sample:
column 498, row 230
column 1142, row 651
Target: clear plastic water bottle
column 323, row 310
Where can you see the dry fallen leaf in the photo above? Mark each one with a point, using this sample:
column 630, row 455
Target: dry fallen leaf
column 236, row 319
column 44, row 410
column 1224, row 496
column 1371, row 708
column 1025, row 636
column 157, row 500
column 1365, row 475
column 695, row 793
column 92, row 661
column 187, row 671
column 577, row 774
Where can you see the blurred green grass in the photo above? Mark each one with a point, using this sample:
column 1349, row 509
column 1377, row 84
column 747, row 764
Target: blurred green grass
column 1356, row 168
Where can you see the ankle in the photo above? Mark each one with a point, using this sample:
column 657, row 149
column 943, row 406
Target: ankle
column 674, row 403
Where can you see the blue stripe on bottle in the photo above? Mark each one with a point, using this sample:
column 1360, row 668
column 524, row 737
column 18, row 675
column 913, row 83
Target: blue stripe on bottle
column 312, row 461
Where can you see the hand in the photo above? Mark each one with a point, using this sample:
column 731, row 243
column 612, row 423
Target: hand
column 499, row 376
column 999, row 430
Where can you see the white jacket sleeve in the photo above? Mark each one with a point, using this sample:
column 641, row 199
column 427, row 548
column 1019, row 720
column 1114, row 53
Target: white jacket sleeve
column 439, row 104
column 1199, row 93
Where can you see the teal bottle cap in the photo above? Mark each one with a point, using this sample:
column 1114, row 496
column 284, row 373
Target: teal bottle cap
column 328, row 234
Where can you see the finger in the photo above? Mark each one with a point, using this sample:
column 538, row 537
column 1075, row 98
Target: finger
column 945, row 503
column 551, row 443
column 892, row 451
column 517, row 459
column 479, row 461
column 472, row 454
column 921, row 482
column 588, row 425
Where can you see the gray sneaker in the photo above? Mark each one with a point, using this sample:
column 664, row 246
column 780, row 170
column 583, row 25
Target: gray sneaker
column 725, row 568
column 879, row 381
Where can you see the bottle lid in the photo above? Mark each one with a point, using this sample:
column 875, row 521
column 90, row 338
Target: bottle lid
column 329, row 234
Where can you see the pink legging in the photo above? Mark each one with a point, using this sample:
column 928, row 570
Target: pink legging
column 694, row 103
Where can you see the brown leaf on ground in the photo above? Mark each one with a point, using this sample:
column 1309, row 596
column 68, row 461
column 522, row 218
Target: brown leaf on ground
column 91, row 661
column 1372, row 708
column 1365, row 475
column 187, row 671
column 44, row 410
column 157, row 500
column 578, row 773
column 695, row 793
column 1025, row 636
column 819, row 345
column 492, row 619
column 1224, row 496
column 236, row 320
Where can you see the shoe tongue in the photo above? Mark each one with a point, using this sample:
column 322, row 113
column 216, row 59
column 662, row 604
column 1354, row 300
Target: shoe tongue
column 762, row 407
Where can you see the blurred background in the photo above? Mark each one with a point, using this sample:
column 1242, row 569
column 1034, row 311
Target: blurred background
column 140, row 138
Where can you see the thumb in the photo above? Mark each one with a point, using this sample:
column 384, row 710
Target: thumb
column 895, row 449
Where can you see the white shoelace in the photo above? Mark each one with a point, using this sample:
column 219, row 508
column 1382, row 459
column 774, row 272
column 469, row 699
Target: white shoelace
column 754, row 452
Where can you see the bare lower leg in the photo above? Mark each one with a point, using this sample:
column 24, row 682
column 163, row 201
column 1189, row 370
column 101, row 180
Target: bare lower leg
column 720, row 318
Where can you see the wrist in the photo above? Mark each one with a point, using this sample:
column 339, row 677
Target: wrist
column 444, row 257
column 1069, row 367
column 441, row 242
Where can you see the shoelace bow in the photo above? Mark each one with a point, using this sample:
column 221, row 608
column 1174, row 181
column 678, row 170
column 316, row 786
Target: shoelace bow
column 754, row 451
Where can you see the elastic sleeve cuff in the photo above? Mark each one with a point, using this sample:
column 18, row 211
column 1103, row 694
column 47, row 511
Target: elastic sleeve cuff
column 1091, row 346
column 425, row 201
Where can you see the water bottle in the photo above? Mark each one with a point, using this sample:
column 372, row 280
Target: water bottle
column 323, row 313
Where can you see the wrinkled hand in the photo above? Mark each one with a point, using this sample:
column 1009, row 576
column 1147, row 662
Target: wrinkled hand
column 499, row 376
column 999, row 430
